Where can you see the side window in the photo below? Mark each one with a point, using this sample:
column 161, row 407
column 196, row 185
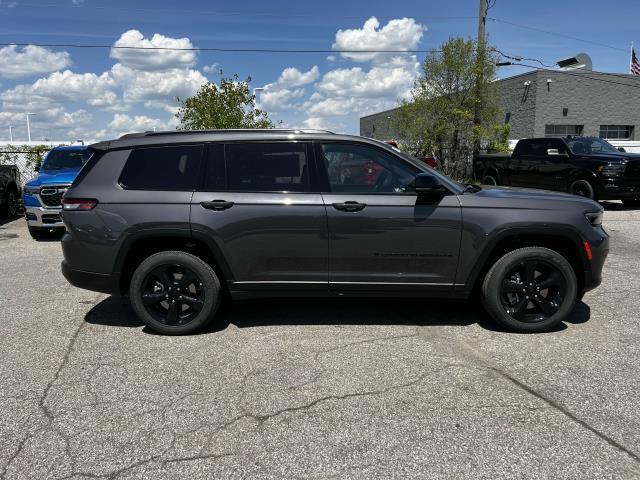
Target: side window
column 267, row 167
column 531, row 147
column 555, row 147
column 214, row 169
column 361, row 169
column 162, row 168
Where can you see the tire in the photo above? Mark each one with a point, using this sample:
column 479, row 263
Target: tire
column 583, row 188
column 10, row 205
column 489, row 179
column 160, row 282
column 631, row 202
column 502, row 290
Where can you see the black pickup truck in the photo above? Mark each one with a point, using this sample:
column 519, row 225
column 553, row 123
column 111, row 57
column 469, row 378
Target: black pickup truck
column 10, row 190
column 586, row 166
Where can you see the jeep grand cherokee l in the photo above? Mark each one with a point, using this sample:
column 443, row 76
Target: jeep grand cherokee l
column 176, row 219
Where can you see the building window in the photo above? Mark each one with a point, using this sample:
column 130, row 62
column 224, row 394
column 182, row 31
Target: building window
column 562, row 130
column 616, row 132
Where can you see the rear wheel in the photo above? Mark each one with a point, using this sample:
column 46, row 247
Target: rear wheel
column 531, row 289
column 489, row 179
column 10, row 205
column 175, row 293
column 582, row 188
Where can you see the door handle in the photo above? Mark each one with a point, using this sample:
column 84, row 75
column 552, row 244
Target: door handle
column 217, row 205
column 349, row 206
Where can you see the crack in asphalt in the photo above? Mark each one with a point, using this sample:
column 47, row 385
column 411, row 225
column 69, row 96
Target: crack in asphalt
column 470, row 351
column 43, row 398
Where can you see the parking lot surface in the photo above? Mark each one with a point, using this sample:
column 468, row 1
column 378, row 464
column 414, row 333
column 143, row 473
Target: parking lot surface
column 315, row 388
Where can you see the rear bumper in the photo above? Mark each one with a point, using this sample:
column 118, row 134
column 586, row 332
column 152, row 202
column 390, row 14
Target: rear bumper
column 97, row 282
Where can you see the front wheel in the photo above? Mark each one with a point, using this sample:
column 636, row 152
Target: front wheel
column 175, row 293
column 531, row 289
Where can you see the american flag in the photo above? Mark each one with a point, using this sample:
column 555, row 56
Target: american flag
column 635, row 65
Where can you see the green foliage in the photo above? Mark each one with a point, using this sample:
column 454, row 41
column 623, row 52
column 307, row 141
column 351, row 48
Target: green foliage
column 453, row 107
column 228, row 105
column 34, row 154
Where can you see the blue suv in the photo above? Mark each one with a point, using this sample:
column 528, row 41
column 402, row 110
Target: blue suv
column 43, row 194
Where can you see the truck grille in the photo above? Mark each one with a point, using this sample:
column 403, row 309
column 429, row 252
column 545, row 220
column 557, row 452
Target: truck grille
column 52, row 196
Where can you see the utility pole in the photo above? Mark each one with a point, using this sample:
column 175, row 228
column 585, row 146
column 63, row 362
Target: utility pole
column 28, row 125
column 480, row 60
column 10, row 133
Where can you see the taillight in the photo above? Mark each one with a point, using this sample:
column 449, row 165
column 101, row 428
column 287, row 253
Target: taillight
column 79, row 204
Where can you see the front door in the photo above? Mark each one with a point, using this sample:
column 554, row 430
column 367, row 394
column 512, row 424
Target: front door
column 255, row 204
column 380, row 236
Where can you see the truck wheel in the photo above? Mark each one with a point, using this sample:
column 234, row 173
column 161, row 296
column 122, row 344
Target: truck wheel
column 531, row 289
column 489, row 179
column 175, row 293
column 631, row 202
column 10, row 205
column 582, row 188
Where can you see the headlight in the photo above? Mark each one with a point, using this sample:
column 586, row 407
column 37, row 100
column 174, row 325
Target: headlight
column 594, row 218
column 31, row 190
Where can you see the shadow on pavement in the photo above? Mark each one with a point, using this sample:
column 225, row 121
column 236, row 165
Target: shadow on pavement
column 616, row 206
column 117, row 312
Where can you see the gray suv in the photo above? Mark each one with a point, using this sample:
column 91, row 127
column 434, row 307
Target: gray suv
column 179, row 219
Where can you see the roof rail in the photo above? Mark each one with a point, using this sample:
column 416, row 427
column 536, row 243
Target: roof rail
column 225, row 130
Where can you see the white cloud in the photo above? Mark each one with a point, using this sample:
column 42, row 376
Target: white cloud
column 31, row 60
column 124, row 123
column 214, row 67
column 292, row 77
column 279, row 99
column 162, row 86
column 153, row 60
column 398, row 34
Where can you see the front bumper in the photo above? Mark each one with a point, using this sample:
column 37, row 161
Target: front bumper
column 617, row 188
column 43, row 217
column 599, row 245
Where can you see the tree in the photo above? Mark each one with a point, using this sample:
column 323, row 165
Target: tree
column 228, row 105
column 439, row 117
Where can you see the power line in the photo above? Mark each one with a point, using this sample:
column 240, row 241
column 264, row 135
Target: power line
column 210, row 49
column 549, row 32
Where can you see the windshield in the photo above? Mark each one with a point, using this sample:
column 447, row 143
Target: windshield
column 60, row 159
column 589, row 146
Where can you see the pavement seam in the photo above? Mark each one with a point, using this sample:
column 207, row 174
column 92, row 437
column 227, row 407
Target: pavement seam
column 42, row 399
column 478, row 356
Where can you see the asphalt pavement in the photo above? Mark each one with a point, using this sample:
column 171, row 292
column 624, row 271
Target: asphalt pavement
column 318, row 388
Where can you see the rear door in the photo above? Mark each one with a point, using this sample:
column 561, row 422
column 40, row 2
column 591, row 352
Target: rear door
column 381, row 238
column 257, row 205
column 526, row 163
column 554, row 168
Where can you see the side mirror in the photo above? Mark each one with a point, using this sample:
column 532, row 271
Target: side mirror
column 621, row 149
column 429, row 186
column 36, row 167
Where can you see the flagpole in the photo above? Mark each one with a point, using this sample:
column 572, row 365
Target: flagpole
column 631, row 59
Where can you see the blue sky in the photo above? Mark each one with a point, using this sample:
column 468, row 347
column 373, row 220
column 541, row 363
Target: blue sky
column 100, row 93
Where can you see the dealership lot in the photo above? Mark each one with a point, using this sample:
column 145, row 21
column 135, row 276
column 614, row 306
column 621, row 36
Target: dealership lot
column 315, row 388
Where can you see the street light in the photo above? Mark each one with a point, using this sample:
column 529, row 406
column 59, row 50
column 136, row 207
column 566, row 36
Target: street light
column 10, row 133
column 29, row 126
column 258, row 89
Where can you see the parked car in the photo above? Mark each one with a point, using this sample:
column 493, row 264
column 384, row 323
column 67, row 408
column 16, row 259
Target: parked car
column 10, row 190
column 586, row 166
column 43, row 194
column 175, row 219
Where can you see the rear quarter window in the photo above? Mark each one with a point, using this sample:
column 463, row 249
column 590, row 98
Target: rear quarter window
column 162, row 168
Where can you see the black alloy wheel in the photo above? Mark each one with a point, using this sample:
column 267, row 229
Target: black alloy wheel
column 173, row 294
column 582, row 188
column 533, row 291
column 12, row 204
